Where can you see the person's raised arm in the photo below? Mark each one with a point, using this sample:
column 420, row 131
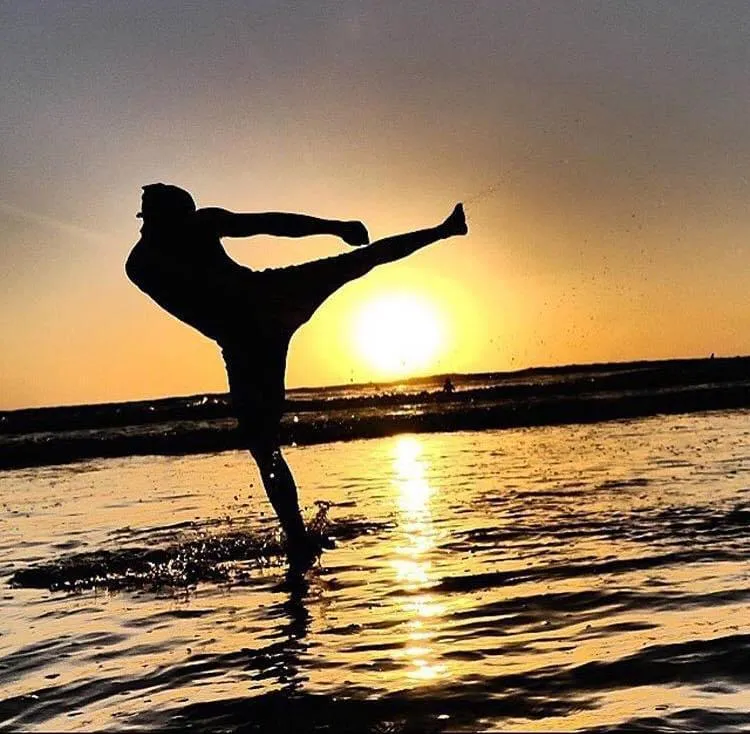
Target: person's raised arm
column 224, row 223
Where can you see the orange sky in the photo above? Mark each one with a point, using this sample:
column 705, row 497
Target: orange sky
column 615, row 137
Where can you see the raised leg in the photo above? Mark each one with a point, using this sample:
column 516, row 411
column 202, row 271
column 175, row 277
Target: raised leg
column 305, row 287
column 402, row 245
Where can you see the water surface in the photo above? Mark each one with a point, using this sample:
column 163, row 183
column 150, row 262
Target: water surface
column 557, row 578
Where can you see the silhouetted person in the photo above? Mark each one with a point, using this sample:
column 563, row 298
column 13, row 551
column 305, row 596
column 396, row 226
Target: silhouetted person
column 180, row 263
column 448, row 386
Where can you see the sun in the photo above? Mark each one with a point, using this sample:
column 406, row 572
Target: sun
column 399, row 333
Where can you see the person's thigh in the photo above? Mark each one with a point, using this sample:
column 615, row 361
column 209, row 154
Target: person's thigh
column 255, row 372
column 297, row 291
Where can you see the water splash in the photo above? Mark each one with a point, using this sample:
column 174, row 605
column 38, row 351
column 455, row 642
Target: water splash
column 183, row 564
column 222, row 558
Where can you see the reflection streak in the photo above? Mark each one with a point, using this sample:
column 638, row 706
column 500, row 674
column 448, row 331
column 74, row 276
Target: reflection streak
column 412, row 564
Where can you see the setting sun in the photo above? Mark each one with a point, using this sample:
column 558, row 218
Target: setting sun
column 399, row 333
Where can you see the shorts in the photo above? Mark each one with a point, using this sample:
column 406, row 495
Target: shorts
column 261, row 310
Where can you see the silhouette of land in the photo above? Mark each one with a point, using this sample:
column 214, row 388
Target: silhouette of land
column 531, row 397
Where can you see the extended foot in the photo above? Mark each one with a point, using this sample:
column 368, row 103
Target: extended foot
column 456, row 222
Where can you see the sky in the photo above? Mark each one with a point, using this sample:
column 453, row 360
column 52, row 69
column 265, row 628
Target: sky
column 601, row 149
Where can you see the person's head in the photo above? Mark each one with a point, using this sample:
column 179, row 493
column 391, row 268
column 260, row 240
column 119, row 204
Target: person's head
column 165, row 204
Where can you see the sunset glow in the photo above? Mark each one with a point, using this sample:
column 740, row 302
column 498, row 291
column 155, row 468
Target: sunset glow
column 606, row 218
column 399, row 333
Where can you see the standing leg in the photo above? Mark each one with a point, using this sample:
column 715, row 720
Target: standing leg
column 282, row 492
column 255, row 370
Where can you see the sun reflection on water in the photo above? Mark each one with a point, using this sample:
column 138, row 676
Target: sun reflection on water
column 412, row 563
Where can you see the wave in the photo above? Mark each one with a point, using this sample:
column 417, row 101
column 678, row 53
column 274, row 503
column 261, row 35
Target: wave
column 415, row 416
column 543, row 382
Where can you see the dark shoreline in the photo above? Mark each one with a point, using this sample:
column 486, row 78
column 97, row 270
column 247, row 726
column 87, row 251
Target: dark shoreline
column 554, row 396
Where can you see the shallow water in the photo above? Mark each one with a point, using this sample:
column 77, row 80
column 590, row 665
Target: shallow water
column 553, row 578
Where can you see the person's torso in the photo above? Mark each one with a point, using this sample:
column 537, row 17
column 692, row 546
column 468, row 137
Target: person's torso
column 187, row 272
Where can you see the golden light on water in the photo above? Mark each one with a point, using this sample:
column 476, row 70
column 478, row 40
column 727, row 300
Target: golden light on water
column 399, row 333
column 412, row 564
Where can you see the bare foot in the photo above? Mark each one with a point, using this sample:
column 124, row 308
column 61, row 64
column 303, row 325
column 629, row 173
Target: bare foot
column 455, row 224
column 303, row 555
column 301, row 558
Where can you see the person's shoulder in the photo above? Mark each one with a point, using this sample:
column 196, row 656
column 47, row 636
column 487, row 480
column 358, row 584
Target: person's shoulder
column 209, row 219
column 210, row 213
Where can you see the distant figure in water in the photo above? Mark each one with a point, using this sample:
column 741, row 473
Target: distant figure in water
column 448, row 386
column 180, row 263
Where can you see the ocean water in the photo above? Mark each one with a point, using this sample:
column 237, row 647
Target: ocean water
column 551, row 578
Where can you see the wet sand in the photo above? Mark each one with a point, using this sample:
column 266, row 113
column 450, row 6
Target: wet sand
column 552, row 578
